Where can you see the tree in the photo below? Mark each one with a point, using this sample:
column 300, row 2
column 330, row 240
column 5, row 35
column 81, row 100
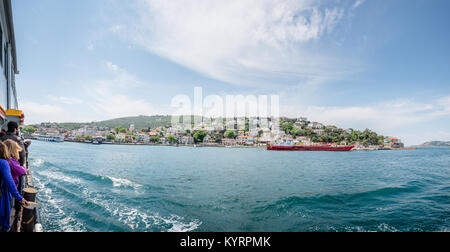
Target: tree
column 296, row 132
column 111, row 137
column 120, row 129
column 199, row 136
column 172, row 140
column 230, row 134
column 287, row 127
column 29, row 130
column 154, row 139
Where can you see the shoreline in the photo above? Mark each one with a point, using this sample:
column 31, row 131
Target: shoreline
column 220, row 146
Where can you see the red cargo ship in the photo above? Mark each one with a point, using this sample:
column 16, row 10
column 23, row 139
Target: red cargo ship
column 327, row 147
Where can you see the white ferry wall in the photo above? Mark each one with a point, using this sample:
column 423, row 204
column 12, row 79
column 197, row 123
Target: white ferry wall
column 9, row 110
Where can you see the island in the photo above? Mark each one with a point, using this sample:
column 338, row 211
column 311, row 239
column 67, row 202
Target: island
column 158, row 130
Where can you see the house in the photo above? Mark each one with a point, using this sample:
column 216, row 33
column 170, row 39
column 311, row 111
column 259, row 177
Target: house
column 121, row 137
column 266, row 137
column 392, row 142
column 303, row 140
column 228, row 142
column 248, row 140
column 129, row 138
column 143, row 138
column 332, row 128
column 187, row 140
column 163, row 140
column 209, row 140
column 299, row 124
column 284, row 141
column 319, row 131
column 316, row 125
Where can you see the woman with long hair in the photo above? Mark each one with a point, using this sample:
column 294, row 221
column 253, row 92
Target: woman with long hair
column 8, row 190
column 14, row 155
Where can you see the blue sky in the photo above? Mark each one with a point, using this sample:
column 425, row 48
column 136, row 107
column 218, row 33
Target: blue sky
column 378, row 64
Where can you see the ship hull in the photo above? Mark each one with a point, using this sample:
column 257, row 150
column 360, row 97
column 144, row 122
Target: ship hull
column 310, row 148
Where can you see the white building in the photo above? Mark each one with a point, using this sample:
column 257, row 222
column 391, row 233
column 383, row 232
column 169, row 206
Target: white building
column 187, row 140
column 144, row 138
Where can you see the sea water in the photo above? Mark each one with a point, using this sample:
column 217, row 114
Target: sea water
column 85, row 187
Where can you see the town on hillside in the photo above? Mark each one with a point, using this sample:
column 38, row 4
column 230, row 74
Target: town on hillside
column 298, row 131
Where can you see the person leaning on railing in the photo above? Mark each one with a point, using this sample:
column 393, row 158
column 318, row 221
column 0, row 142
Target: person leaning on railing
column 8, row 190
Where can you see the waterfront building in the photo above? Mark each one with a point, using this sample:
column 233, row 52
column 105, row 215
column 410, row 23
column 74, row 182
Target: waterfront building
column 303, row 140
column 121, row 137
column 392, row 142
column 228, row 142
column 163, row 140
column 143, row 138
column 187, row 140
column 248, row 140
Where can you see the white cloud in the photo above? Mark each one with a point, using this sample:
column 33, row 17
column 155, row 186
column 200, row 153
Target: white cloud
column 358, row 3
column 65, row 100
column 242, row 42
column 36, row 112
column 121, row 78
column 109, row 98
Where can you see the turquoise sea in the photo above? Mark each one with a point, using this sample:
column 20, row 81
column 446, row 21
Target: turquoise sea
column 143, row 188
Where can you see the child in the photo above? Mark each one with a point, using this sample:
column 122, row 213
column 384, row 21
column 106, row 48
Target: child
column 14, row 154
column 8, row 190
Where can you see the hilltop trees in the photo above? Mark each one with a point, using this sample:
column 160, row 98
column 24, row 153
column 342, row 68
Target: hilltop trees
column 199, row 136
column 29, row 130
column 120, row 129
column 332, row 134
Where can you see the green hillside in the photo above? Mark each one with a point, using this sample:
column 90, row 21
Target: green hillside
column 140, row 122
column 436, row 144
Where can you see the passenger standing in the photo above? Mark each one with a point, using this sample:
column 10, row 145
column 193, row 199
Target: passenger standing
column 17, row 170
column 8, row 190
column 13, row 134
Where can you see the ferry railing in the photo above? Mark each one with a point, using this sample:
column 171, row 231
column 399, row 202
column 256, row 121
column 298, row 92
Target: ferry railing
column 27, row 220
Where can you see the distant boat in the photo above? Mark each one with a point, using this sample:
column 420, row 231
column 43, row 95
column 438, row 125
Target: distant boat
column 326, row 147
column 45, row 138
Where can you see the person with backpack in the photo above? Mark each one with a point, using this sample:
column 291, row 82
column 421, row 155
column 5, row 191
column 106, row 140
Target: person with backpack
column 8, row 190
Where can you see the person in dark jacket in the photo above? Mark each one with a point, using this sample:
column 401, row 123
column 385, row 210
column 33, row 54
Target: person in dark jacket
column 8, row 190
column 13, row 134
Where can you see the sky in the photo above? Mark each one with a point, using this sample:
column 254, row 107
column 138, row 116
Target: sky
column 377, row 64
